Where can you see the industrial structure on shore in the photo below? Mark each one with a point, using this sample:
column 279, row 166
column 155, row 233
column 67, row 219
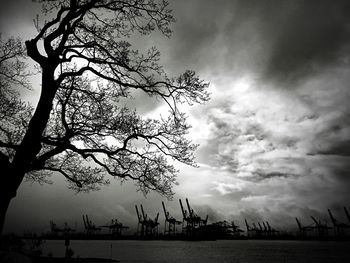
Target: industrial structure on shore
column 194, row 226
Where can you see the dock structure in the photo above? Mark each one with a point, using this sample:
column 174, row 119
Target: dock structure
column 195, row 227
column 115, row 227
column 89, row 226
column 146, row 226
column 59, row 231
column 223, row 229
column 170, row 222
column 191, row 222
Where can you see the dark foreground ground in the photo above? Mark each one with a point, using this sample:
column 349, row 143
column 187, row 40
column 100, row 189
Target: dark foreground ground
column 175, row 251
column 16, row 250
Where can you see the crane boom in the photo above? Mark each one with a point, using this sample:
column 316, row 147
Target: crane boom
column 189, row 208
column 332, row 218
column 299, row 224
column 314, row 219
column 246, row 224
column 347, row 213
column 138, row 214
column 165, row 212
column 182, row 209
column 143, row 213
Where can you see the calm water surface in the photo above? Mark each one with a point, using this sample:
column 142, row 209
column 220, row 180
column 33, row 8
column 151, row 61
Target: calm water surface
column 224, row 251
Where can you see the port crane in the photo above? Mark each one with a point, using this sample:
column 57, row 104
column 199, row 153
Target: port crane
column 185, row 217
column 196, row 219
column 258, row 229
column 90, row 228
column 191, row 219
column 253, row 230
column 249, row 228
column 140, row 223
column 339, row 227
column 347, row 214
column 236, row 231
column 270, row 230
column 262, row 231
column 149, row 226
column 303, row 230
column 170, row 222
column 265, row 227
column 322, row 229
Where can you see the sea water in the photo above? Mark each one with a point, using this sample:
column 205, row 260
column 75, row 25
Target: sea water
column 223, row 251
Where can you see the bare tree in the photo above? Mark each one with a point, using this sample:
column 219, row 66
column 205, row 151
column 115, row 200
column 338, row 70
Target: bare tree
column 79, row 128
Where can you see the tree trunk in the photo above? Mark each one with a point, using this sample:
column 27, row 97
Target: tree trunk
column 30, row 145
column 6, row 189
column 4, row 204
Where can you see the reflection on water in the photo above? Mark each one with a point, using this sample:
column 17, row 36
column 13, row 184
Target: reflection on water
column 225, row 251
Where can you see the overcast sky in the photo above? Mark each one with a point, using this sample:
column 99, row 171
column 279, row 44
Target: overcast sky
column 274, row 139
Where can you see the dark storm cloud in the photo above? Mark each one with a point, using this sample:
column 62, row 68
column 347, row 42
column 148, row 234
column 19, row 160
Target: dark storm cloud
column 334, row 140
column 209, row 33
column 282, row 41
column 16, row 15
column 341, row 148
column 311, row 36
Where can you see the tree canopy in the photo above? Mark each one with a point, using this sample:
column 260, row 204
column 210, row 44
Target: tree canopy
column 80, row 127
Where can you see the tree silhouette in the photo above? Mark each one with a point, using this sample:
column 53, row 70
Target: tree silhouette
column 80, row 127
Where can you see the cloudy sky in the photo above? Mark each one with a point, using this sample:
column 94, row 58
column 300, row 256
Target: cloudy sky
column 274, row 138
